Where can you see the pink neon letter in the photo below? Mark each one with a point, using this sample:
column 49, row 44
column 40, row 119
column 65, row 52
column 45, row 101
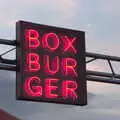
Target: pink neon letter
column 68, row 89
column 32, row 37
column 49, row 88
column 31, row 90
column 32, row 62
column 50, row 41
column 68, row 67
column 68, row 44
column 53, row 67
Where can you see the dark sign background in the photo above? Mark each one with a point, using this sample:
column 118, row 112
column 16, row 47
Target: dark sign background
column 79, row 45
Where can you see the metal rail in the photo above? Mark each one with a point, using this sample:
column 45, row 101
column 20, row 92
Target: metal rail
column 8, row 42
column 100, row 79
column 7, row 64
column 102, row 56
column 8, row 67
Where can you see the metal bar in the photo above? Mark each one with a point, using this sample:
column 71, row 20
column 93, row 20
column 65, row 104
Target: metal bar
column 102, row 74
column 90, row 60
column 8, row 51
column 8, row 67
column 112, row 70
column 102, row 56
column 7, row 61
column 104, row 80
column 8, row 42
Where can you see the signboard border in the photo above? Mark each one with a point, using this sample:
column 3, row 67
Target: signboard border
column 82, row 65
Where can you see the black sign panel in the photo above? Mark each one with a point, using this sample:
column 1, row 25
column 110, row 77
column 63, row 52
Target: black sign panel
column 51, row 64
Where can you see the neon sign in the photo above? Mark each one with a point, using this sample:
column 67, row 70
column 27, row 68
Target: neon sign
column 51, row 64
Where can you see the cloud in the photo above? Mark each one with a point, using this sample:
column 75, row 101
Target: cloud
column 112, row 7
column 99, row 108
column 36, row 9
column 100, row 20
column 40, row 11
column 102, row 36
column 100, row 98
column 22, row 109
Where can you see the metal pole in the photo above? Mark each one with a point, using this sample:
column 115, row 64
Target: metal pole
column 8, row 42
column 8, row 67
column 102, row 74
column 7, row 61
column 101, row 56
column 104, row 80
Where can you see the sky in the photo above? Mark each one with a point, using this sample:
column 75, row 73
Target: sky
column 100, row 19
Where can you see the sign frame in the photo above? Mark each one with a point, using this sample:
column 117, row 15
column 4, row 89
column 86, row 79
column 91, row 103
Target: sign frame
column 80, row 56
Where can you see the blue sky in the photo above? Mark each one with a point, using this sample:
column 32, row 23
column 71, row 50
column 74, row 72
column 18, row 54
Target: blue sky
column 100, row 19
